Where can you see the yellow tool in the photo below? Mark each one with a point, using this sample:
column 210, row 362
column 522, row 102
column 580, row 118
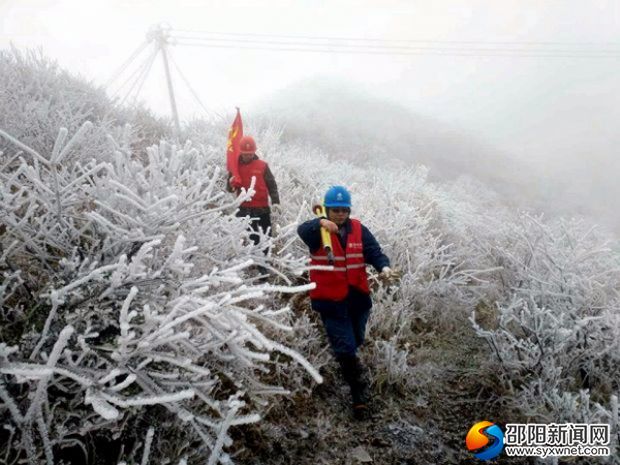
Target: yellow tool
column 326, row 238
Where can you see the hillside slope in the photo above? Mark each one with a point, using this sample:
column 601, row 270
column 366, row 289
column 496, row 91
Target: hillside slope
column 135, row 328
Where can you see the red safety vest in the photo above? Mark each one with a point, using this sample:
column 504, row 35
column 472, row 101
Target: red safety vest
column 257, row 169
column 349, row 268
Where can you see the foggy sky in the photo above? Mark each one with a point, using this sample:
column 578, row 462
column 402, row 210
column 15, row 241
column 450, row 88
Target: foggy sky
column 556, row 113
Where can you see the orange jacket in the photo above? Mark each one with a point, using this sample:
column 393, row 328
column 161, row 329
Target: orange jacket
column 265, row 184
column 349, row 268
column 257, row 169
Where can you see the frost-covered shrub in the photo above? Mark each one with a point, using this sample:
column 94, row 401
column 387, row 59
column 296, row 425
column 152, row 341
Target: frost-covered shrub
column 392, row 364
column 38, row 98
column 129, row 293
column 556, row 335
column 133, row 314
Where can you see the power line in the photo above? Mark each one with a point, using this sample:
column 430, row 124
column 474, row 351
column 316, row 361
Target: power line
column 437, row 51
column 342, row 45
column 143, row 72
column 126, row 63
column 180, row 32
column 145, row 75
column 133, row 74
column 191, row 89
column 378, row 47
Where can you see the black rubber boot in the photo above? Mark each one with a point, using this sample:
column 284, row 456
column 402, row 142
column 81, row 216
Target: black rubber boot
column 352, row 372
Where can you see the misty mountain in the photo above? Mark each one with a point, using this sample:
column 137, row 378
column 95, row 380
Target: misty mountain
column 348, row 124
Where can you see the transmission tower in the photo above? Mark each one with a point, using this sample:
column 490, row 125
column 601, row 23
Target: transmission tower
column 160, row 35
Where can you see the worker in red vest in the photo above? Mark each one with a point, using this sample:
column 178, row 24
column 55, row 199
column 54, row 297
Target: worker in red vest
column 342, row 295
column 265, row 186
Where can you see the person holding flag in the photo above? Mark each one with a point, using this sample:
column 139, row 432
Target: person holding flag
column 243, row 164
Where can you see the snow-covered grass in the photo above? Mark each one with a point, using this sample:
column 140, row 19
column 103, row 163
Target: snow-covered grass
column 129, row 288
column 132, row 314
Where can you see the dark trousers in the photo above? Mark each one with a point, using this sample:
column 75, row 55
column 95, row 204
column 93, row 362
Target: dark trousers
column 346, row 327
column 260, row 219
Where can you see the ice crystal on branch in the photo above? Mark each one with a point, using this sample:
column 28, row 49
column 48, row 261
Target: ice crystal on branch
column 145, row 266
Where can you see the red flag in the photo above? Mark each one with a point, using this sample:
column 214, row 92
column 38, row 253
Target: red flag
column 232, row 149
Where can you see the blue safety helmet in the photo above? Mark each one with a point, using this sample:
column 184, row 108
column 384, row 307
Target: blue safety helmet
column 337, row 196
